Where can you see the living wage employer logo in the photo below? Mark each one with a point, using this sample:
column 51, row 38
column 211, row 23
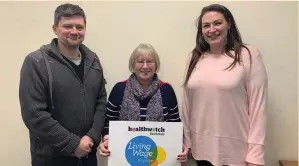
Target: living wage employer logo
column 143, row 151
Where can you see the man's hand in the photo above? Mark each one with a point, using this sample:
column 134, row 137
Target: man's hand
column 84, row 147
column 87, row 143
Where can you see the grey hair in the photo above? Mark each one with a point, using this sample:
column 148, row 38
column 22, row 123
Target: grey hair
column 68, row 10
column 144, row 47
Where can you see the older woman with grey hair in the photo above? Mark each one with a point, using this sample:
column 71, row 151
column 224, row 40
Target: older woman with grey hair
column 142, row 97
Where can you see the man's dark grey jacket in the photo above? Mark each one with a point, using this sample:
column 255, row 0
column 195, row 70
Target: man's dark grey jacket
column 57, row 107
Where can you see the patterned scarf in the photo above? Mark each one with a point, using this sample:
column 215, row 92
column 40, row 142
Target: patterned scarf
column 130, row 108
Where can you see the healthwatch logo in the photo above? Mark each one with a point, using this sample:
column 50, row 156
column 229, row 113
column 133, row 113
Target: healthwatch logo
column 153, row 131
column 143, row 151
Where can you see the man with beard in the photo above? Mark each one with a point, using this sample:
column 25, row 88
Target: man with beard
column 62, row 95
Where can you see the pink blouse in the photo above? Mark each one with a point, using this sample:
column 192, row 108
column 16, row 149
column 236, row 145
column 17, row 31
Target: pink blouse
column 223, row 111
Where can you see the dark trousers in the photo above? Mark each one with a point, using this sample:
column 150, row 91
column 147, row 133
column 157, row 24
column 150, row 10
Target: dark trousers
column 91, row 160
column 203, row 163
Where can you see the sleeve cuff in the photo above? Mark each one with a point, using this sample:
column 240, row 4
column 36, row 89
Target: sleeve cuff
column 255, row 155
column 71, row 147
column 105, row 132
column 94, row 136
column 187, row 139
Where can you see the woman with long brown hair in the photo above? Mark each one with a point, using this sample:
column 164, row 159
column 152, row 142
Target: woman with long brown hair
column 224, row 97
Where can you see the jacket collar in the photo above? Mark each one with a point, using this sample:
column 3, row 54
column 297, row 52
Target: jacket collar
column 85, row 51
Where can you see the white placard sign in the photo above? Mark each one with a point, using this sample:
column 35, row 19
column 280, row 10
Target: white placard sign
column 144, row 143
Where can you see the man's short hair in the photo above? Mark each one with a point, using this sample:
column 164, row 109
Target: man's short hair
column 68, row 10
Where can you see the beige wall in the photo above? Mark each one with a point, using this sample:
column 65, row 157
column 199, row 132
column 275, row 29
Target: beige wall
column 114, row 29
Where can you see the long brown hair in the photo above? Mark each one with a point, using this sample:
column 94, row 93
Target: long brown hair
column 234, row 40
